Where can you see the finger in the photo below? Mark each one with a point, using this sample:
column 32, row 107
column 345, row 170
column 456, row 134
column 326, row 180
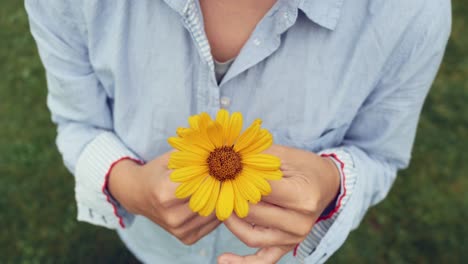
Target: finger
column 267, row 215
column 262, row 256
column 166, row 196
column 277, row 150
column 195, row 232
column 190, row 227
column 196, row 224
column 177, row 216
column 203, row 231
column 288, row 156
column 257, row 236
column 283, row 193
column 172, row 201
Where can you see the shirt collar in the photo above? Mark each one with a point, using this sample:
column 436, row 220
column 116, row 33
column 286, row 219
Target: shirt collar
column 179, row 6
column 325, row 13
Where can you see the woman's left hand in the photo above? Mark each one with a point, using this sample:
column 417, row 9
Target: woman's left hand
column 284, row 218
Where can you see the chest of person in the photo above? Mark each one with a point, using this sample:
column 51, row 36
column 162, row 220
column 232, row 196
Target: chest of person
column 306, row 82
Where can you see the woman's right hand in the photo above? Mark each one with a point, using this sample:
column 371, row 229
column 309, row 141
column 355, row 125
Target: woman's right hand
column 147, row 190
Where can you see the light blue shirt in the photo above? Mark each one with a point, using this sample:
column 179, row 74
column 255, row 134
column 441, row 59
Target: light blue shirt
column 328, row 76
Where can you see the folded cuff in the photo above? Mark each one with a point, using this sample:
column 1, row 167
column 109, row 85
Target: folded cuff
column 333, row 208
column 345, row 165
column 95, row 204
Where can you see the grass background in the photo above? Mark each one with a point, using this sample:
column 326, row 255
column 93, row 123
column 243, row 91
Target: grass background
column 422, row 221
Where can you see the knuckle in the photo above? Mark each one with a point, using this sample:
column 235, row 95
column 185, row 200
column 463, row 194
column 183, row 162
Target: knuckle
column 163, row 196
column 303, row 232
column 305, row 228
column 179, row 234
column 157, row 195
column 188, row 241
column 172, row 221
column 310, row 206
column 252, row 242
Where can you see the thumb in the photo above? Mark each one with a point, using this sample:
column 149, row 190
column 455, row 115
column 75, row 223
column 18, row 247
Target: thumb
column 230, row 258
column 267, row 255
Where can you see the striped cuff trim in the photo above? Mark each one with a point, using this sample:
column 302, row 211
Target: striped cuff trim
column 343, row 187
column 106, row 192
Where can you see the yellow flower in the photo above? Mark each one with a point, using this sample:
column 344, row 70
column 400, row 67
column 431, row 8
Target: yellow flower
column 219, row 167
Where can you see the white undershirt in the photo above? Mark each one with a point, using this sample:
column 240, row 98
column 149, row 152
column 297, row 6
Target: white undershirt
column 221, row 68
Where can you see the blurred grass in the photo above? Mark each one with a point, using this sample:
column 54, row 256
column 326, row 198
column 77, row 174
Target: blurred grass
column 422, row 220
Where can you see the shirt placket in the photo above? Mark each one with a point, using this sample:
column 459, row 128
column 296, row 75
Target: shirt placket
column 208, row 94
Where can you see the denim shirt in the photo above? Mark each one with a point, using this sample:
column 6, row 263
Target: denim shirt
column 343, row 78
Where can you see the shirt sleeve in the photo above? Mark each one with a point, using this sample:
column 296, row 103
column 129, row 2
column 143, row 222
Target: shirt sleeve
column 79, row 107
column 379, row 140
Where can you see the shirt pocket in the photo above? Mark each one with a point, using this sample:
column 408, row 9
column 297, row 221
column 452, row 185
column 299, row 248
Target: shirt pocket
column 329, row 138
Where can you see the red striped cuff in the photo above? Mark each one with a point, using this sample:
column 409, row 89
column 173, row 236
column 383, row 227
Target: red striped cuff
column 340, row 164
column 115, row 204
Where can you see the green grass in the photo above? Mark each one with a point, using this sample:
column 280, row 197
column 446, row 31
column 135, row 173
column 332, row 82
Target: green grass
column 422, row 220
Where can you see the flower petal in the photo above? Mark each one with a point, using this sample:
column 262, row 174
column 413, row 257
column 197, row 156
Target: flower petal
column 182, row 159
column 187, row 173
column 248, row 136
column 241, row 206
column 235, row 127
column 223, row 119
column 200, row 139
column 203, row 121
column 266, row 174
column 200, row 198
column 176, row 142
column 193, row 122
column 247, row 189
column 262, row 185
column 212, row 201
column 184, row 144
column 262, row 161
column 225, row 204
column 215, row 134
column 189, row 187
column 262, row 142
column 183, row 131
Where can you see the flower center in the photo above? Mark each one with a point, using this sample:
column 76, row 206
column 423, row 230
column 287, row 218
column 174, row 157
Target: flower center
column 224, row 163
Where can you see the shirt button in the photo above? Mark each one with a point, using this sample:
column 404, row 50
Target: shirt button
column 286, row 15
column 225, row 102
column 202, row 252
column 257, row 42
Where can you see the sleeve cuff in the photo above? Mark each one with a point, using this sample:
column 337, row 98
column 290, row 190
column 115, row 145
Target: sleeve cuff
column 334, row 207
column 94, row 202
column 345, row 164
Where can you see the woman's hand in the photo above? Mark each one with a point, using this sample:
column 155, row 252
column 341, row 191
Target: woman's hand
column 285, row 217
column 147, row 190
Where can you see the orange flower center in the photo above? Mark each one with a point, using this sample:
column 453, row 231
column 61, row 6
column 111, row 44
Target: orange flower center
column 224, row 163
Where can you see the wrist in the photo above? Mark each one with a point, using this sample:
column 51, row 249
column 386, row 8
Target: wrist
column 124, row 184
column 334, row 178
